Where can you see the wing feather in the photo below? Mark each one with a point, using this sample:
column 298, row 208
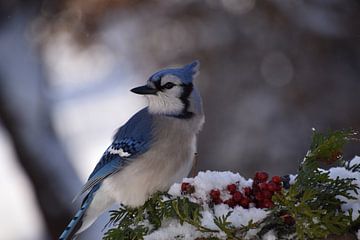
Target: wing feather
column 130, row 141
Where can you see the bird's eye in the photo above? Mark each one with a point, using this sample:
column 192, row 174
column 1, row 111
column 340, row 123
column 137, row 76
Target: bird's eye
column 168, row 85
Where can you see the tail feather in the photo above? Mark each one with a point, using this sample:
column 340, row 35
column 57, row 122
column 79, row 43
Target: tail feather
column 75, row 224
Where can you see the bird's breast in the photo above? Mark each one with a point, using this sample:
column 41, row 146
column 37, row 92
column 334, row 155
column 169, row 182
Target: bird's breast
column 169, row 159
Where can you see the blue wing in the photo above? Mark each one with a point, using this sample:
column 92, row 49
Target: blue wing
column 130, row 141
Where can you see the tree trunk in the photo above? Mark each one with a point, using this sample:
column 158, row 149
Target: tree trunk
column 25, row 113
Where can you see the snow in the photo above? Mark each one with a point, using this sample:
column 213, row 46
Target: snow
column 356, row 160
column 204, row 182
column 292, row 178
column 174, row 230
column 269, row 236
column 343, row 173
column 240, row 216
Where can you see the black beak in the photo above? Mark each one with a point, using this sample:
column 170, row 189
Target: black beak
column 144, row 90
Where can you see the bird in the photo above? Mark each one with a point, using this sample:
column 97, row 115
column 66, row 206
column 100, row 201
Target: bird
column 154, row 149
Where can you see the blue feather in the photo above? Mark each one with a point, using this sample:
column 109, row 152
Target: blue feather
column 186, row 73
column 134, row 138
column 76, row 221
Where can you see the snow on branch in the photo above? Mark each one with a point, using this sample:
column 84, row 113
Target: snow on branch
column 313, row 204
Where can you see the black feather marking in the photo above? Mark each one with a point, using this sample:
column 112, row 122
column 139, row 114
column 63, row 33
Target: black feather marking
column 187, row 89
column 70, row 232
column 157, row 84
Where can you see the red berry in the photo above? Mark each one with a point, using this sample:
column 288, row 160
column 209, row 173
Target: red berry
column 261, row 176
column 237, row 196
column 215, row 194
column 244, row 202
column 255, row 186
column 267, row 194
column 217, row 200
column 231, row 188
column 247, row 191
column 277, row 188
column 230, row 202
column 263, row 186
column 276, row 179
column 184, row 186
column 187, row 188
column 272, row 187
column 259, row 196
column 267, row 203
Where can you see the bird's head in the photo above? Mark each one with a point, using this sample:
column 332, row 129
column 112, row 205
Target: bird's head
column 171, row 91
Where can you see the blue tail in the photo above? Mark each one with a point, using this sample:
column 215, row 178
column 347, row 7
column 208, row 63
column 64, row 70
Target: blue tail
column 75, row 223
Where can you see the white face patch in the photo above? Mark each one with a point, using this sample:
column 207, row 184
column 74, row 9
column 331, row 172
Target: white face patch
column 170, row 78
column 167, row 101
column 120, row 152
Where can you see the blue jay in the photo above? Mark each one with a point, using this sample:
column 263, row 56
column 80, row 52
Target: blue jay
column 153, row 150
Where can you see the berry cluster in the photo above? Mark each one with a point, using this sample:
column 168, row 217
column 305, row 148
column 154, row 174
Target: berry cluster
column 259, row 195
column 263, row 190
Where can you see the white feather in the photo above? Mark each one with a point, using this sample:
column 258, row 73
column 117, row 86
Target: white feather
column 120, row 152
column 167, row 101
column 164, row 104
column 167, row 162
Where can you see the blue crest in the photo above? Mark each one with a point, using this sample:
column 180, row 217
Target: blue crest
column 185, row 74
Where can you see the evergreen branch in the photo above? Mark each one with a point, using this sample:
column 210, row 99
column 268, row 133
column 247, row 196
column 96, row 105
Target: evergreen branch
column 309, row 209
column 189, row 212
column 226, row 226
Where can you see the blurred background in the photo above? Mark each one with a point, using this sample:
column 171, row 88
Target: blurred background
column 270, row 72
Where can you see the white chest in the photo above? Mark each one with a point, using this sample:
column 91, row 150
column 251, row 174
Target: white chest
column 169, row 159
column 153, row 171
